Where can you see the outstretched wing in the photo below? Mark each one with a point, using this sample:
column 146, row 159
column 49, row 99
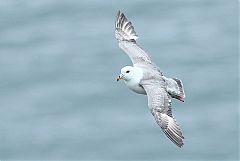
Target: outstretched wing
column 126, row 36
column 159, row 103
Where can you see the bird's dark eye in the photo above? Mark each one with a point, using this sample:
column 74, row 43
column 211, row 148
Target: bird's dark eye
column 127, row 71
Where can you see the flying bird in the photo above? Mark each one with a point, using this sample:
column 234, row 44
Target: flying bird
column 145, row 77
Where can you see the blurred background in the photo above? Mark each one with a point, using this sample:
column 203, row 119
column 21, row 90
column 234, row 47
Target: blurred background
column 60, row 99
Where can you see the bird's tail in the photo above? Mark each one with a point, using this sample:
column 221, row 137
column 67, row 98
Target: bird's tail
column 175, row 88
column 181, row 95
column 124, row 30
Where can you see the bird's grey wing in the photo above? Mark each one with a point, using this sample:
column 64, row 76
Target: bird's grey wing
column 126, row 36
column 159, row 103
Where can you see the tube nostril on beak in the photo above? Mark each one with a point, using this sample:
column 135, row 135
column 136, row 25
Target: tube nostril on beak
column 118, row 78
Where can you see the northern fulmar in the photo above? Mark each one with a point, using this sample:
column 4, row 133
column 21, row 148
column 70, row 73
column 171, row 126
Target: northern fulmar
column 145, row 77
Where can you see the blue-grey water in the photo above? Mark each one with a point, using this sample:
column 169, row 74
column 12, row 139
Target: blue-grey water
column 59, row 98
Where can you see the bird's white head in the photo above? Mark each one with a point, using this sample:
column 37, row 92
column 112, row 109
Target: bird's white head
column 128, row 73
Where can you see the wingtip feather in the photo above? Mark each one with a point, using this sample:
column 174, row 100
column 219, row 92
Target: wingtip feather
column 124, row 29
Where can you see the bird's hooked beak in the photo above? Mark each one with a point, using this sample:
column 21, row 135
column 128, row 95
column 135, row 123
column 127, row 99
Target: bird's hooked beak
column 120, row 77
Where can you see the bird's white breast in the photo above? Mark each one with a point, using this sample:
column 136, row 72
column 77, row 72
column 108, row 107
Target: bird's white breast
column 135, row 87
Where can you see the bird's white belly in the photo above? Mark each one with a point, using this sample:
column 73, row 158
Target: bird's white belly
column 135, row 87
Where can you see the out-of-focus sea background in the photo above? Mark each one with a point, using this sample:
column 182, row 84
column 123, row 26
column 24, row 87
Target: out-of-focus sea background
column 60, row 99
